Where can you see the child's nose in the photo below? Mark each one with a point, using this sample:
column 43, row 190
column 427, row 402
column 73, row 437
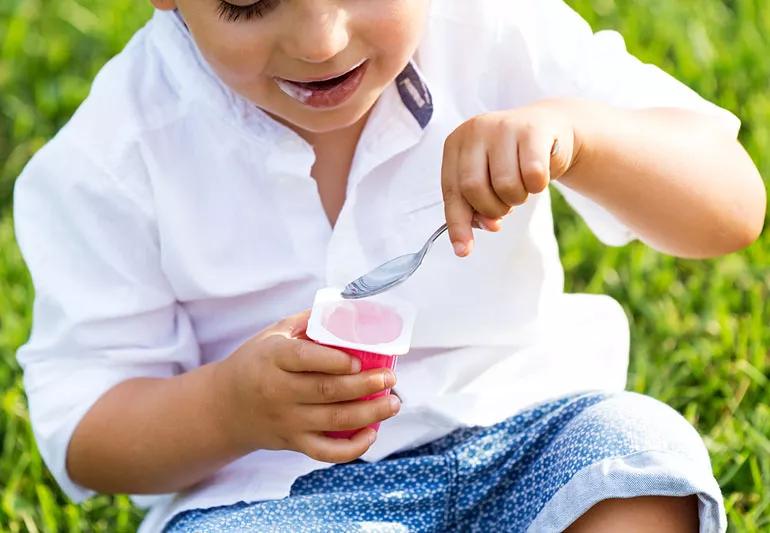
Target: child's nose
column 319, row 33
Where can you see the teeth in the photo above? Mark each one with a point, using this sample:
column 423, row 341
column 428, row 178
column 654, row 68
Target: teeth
column 295, row 91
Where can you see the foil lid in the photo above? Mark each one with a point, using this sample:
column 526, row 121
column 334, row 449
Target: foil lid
column 380, row 324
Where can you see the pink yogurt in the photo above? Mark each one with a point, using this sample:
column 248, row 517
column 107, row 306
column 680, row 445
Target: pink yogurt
column 363, row 322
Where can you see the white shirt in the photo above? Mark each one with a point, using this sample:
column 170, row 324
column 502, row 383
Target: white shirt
column 171, row 220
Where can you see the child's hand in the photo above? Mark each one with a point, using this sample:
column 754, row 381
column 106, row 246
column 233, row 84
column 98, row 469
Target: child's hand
column 493, row 162
column 281, row 391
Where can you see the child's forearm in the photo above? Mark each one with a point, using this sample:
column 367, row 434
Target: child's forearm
column 149, row 436
column 676, row 178
column 277, row 391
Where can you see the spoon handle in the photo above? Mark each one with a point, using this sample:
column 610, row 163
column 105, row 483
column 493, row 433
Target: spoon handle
column 438, row 232
column 432, row 239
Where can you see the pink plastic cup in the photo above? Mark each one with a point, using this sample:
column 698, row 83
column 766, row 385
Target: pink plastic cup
column 369, row 361
column 372, row 331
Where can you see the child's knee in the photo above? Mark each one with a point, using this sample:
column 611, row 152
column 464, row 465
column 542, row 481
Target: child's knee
column 636, row 423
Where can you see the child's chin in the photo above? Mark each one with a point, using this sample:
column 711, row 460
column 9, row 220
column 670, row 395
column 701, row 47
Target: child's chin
column 328, row 120
column 319, row 120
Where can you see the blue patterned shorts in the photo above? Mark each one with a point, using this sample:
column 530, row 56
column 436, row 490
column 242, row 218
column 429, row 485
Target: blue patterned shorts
column 538, row 471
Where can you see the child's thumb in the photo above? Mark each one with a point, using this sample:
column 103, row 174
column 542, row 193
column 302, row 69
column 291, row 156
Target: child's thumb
column 291, row 327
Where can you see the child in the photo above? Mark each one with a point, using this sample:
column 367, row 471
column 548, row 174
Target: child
column 236, row 157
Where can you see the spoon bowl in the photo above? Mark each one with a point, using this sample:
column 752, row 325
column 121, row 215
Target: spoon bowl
column 391, row 273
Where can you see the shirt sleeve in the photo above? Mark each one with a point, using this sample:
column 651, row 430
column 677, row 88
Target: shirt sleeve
column 103, row 310
column 569, row 60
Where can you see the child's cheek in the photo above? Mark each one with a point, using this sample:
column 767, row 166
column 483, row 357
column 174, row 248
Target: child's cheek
column 237, row 53
column 392, row 30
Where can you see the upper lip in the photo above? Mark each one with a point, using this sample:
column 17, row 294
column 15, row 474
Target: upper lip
column 327, row 77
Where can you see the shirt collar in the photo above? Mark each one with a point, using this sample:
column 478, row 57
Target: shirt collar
column 199, row 82
column 415, row 94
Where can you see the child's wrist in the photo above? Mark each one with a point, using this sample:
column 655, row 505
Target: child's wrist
column 229, row 422
column 586, row 121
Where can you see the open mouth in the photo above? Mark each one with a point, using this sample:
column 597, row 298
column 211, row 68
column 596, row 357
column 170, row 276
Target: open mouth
column 324, row 85
column 325, row 93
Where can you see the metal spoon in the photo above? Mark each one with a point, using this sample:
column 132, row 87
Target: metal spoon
column 390, row 274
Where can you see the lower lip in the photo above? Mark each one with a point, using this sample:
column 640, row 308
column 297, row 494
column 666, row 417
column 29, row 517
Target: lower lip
column 324, row 98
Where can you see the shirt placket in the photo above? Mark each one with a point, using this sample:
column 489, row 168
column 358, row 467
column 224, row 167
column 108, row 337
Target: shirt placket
column 289, row 166
column 390, row 131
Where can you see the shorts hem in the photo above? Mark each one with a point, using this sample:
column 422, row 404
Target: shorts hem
column 647, row 473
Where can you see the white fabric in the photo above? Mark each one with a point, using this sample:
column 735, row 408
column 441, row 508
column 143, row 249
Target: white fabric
column 170, row 220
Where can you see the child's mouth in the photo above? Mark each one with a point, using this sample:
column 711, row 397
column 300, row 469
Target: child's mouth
column 326, row 93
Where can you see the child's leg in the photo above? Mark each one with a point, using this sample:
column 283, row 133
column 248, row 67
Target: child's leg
column 611, row 462
column 649, row 514
column 408, row 493
column 619, row 458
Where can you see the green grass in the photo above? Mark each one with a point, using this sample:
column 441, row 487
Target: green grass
column 700, row 330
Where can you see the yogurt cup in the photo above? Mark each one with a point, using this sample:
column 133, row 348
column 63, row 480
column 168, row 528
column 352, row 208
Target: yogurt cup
column 375, row 330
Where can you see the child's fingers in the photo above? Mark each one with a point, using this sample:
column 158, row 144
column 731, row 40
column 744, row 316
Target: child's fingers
column 349, row 415
column 329, row 450
column 299, row 355
column 458, row 213
column 323, row 388
column 293, row 326
column 535, row 149
column 486, row 223
column 474, row 180
column 504, row 170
